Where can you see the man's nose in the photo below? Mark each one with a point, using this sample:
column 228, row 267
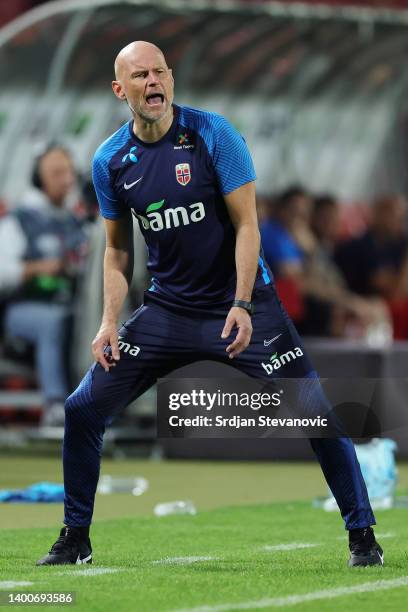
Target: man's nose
column 152, row 79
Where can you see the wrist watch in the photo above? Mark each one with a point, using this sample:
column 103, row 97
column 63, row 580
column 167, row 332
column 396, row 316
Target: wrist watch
column 248, row 306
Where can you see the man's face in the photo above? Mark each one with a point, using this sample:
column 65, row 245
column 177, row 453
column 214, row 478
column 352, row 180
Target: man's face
column 298, row 210
column 326, row 222
column 57, row 175
column 145, row 81
column 389, row 216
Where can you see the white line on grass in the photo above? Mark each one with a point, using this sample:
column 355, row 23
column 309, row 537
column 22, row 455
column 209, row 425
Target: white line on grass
column 383, row 536
column 91, row 571
column 290, row 600
column 289, row 546
column 182, row 560
column 10, row 584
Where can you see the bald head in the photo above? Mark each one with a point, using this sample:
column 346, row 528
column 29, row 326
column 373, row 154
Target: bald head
column 133, row 55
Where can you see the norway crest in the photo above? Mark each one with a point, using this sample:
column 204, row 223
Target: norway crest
column 183, row 174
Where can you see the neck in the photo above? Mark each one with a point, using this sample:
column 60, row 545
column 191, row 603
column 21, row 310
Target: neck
column 151, row 132
column 56, row 202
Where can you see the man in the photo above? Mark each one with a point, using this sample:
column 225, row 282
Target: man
column 372, row 262
column 286, row 241
column 188, row 176
column 286, row 234
column 298, row 242
column 331, row 303
column 43, row 250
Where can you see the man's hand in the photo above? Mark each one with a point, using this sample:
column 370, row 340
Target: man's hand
column 106, row 336
column 237, row 317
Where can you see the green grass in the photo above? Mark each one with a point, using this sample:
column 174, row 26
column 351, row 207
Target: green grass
column 208, row 484
column 232, row 535
column 240, row 571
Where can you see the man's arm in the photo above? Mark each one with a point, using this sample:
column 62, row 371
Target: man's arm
column 241, row 207
column 118, row 269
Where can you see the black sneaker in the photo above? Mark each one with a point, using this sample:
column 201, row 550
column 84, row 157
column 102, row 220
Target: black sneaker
column 70, row 548
column 364, row 548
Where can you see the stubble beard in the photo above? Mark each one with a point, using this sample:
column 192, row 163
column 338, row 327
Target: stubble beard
column 148, row 118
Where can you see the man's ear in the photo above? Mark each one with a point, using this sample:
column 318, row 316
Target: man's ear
column 118, row 90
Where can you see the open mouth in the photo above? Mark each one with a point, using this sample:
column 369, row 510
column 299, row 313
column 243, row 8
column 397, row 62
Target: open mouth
column 154, row 99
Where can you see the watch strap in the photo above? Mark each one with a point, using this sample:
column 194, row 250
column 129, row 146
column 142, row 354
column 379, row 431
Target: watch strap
column 248, row 306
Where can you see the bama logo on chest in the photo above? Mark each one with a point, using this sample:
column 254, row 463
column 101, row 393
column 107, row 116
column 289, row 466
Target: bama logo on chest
column 157, row 217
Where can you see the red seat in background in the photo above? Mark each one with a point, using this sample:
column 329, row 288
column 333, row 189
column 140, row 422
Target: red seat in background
column 399, row 315
column 291, row 297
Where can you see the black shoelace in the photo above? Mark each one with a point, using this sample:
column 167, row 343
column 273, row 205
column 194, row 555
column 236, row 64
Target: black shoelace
column 67, row 539
column 362, row 542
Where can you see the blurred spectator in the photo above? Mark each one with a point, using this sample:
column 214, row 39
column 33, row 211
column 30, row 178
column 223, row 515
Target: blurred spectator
column 332, row 308
column 43, row 251
column 299, row 240
column 371, row 263
column 286, row 238
column 286, row 235
column 89, row 203
column 394, row 282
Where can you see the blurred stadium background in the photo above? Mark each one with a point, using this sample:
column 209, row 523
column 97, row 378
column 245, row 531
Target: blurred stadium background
column 319, row 90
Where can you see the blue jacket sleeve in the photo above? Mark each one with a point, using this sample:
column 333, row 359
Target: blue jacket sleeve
column 109, row 205
column 231, row 157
